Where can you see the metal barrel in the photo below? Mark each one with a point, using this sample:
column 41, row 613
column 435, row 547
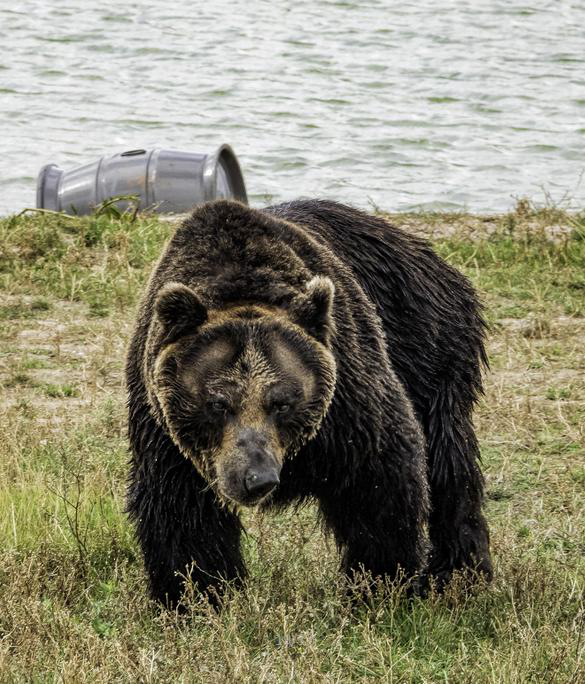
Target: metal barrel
column 166, row 181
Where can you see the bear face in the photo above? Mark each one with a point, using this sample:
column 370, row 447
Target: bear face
column 242, row 387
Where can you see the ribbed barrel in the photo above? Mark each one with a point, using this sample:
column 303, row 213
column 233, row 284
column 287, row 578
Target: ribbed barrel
column 167, row 181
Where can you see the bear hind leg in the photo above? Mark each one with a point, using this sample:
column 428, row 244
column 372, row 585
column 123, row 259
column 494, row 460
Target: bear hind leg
column 457, row 527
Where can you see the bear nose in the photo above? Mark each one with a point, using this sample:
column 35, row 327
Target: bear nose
column 260, row 482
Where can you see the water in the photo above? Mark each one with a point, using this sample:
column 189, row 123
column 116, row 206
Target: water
column 404, row 105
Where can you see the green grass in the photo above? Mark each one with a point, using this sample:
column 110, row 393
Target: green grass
column 539, row 276
column 98, row 260
column 73, row 603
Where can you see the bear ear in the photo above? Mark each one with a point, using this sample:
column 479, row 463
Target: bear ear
column 179, row 311
column 313, row 309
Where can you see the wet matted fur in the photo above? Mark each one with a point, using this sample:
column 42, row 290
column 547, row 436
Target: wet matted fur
column 385, row 338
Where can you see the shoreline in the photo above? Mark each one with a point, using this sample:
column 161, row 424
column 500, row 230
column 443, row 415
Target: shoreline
column 524, row 220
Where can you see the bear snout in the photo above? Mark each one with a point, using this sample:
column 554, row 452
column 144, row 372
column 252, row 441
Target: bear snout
column 255, row 470
column 260, row 482
column 248, row 479
column 260, row 474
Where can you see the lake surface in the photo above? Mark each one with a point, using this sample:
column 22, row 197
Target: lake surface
column 403, row 105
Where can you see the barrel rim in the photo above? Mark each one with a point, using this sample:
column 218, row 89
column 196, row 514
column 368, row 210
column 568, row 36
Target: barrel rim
column 49, row 175
column 226, row 156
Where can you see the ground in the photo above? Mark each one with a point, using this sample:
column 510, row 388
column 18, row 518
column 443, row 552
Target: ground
column 73, row 603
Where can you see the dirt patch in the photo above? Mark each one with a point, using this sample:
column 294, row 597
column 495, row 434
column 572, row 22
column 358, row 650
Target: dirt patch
column 66, row 361
column 480, row 227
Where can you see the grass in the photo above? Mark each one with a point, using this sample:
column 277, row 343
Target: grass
column 73, row 605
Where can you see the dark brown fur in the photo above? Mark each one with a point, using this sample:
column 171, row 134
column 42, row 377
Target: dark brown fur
column 384, row 338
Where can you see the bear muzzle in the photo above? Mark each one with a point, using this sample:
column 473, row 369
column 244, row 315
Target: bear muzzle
column 253, row 472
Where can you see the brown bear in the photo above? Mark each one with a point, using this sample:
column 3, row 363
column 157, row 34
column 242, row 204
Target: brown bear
column 305, row 352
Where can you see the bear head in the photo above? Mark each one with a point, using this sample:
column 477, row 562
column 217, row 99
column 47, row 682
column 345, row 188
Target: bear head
column 243, row 387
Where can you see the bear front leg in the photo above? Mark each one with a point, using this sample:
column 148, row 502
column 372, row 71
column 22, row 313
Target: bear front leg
column 182, row 530
column 379, row 517
column 458, row 530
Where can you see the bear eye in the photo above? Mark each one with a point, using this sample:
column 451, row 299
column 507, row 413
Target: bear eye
column 219, row 405
column 281, row 408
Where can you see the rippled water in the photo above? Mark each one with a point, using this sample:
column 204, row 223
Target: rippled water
column 427, row 104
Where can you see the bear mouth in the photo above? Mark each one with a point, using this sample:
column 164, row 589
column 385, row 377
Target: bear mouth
column 242, row 500
column 251, row 493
